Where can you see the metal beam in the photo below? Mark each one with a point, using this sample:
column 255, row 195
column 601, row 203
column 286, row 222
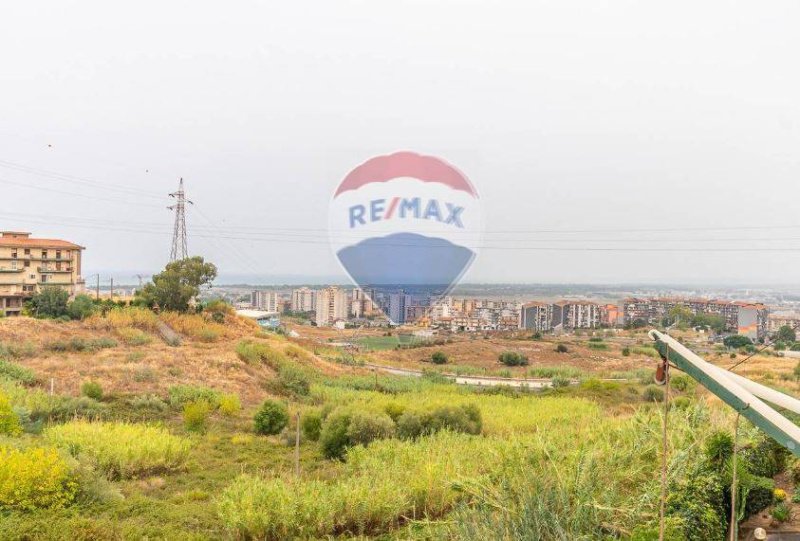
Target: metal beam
column 733, row 391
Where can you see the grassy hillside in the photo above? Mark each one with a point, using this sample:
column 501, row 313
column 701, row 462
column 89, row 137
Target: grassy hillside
column 149, row 439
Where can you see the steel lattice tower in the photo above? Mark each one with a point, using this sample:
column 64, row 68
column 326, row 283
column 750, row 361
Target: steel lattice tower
column 179, row 245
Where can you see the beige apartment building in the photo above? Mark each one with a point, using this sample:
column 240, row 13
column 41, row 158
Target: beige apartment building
column 27, row 264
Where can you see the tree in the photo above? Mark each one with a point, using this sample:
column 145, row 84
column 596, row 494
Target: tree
column 715, row 322
column 178, row 284
column 737, row 341
column 50, row 301
column 786, row 334
column 679, row 315
column 81, row 308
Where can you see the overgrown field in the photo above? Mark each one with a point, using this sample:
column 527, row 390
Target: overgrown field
column 380, row 457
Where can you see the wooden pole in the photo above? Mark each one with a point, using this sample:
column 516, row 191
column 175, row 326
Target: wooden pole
column 664, row 451
column 52, row 386
column 297, row 447
column 734, row 527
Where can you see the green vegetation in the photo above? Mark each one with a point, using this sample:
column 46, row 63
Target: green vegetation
column 177, row 284
column 438, row 357
column 512, row 358
column 737, row 341
column 15, row 372
column 271, row 418
column 92, row 389
column 121, row 450
column 195, row 415
column 562, row 348
column 34, row 478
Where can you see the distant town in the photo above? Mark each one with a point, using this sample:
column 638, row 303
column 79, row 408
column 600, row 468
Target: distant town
column 27, row 263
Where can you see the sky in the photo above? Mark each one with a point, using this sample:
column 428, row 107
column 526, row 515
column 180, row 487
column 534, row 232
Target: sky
column 610, row 142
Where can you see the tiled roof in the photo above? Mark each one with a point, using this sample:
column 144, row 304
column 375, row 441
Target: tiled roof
column 19, row 242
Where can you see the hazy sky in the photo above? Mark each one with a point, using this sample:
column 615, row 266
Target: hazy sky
column 603, row 121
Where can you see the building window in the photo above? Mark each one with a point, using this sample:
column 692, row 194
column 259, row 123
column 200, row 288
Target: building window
column 58, row 265
column 33, row 277
column 58, row 254
column 44, row 278
column 27, row 263
column 13, row 265
column 27, row 251
column 44, row 254
column 14, row 254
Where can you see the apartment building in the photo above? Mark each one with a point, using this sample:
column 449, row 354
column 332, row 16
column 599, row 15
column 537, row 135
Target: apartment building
column 747, row 319
column 331, row 306
column 304, row 300
column 28, row 263
column 575, row 315
column 362, row 303
column 783, row 319
column 536, row 316
column 266, row 300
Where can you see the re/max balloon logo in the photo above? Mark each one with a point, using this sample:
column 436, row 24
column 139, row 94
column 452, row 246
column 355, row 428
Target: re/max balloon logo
column 406, row 208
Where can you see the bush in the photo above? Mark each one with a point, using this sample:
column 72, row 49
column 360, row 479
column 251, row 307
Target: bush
column 92, row 389
column 394, row 410
column 653, row 393
column 559, row 382
column 121, row 450
column 229, row 405
column 49, row 302
column 781, row 512
column 438, row 357
column 294, row 380
column 682, row 383
column 561, row 348
column 512, row 358
column 311, row 425
column 34, row 478
column 256, row 352
column 333, row 439
column 181, row 394
column 465, row 418
column 271, row 418
column 626, row 351
column 9, row 421
column 698, row 500
column 737, row 341
column 15, row 372
column 759, row 493
column 81, row 308
column 765, row 457
column 366, row 427
column 719, row 448
column 195, row 415
column 134, row 337
column 411, row 425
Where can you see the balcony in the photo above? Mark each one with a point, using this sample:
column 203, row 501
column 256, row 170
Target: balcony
column 52, row 271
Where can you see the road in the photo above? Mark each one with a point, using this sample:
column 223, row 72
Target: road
column 486, row 381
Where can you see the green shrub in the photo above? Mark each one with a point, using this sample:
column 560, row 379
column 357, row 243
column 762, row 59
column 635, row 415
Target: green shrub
column 257, row 352
column 465, row 418
column 229, row 405
column 512, row 358
column 682, row 383
column 366, row 427
column 18, row 350
column 653, row 393
column 181, row 394
column 133, row 336
column 394, row 410
column 626, row 351
column 765, row 457
column 16, row 372
column 597, row 346
column 681, row 402
column 195, row 415
column 311, row 425
column 294, row 380
column 271, row 418
column 759, row 493
column 698, row 500
column 781, row 512
column 562, row 348
column 559, row 382
column 103, row 343
column 333, row 439
column 737, row 341
column 92, row 389
column 121, row 450
column 9, row 421
column 439, row 357
column 81, row 307
column 34, row 478
column 719, row 448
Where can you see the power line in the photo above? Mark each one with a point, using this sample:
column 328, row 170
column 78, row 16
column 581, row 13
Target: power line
column 180, row 248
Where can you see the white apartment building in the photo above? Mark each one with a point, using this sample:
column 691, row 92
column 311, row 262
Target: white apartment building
column 304, row 300
column 265, row 300
column 331, row 305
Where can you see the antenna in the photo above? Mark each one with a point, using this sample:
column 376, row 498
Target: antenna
column 179, row 245
column 141, row 278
